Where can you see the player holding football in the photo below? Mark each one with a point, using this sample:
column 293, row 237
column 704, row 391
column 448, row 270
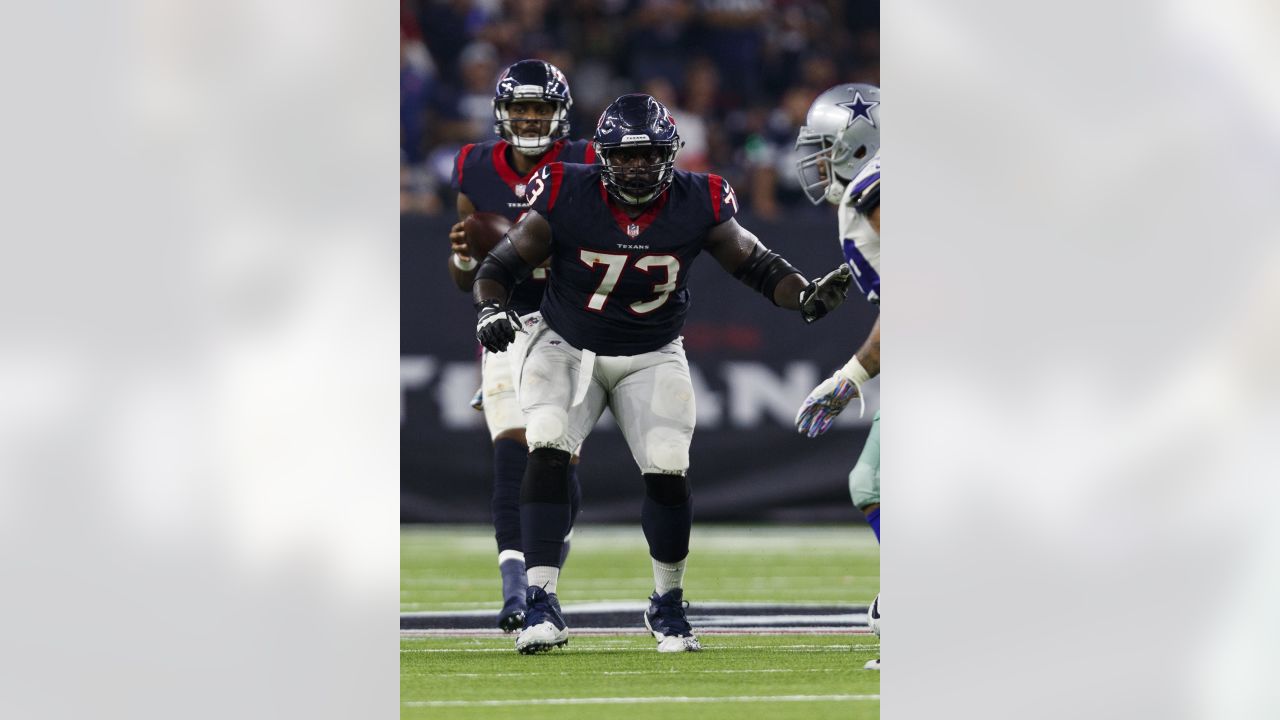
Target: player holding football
column 841, row 164
column 531, row 118
column 621, row 237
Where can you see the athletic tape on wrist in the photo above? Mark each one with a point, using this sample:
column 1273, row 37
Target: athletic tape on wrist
column 854, row 372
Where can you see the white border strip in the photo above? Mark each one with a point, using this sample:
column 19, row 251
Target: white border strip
column 636, row 607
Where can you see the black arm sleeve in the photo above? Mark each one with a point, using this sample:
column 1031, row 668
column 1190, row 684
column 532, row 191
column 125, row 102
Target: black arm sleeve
column 763, row 270
column 504, row 266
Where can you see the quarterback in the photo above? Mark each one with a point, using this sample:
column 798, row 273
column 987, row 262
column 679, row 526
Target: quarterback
column 530, row 109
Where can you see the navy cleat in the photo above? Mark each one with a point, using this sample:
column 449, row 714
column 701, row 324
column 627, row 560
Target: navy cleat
column 544, row 628
column 511, row 618
column 513, row 591
column 666, row 620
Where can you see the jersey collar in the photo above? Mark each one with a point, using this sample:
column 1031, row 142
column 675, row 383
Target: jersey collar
column 634, row 226
column 509, row 174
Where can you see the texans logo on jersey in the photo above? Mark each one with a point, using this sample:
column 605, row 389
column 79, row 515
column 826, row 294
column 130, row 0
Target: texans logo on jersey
column 730, row 198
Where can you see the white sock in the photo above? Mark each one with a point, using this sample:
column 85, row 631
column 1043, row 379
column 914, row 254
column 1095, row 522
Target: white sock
column 506, row 555
column 544, row 576
column 667, row 577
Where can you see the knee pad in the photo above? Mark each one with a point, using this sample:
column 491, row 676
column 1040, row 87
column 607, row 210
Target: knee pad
column 667, row 489
column 545, row 428
column 668, row 451
column 547, row 478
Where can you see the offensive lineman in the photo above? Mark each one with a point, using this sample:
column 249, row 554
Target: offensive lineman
column 531, row 118
column 842, row 132
column 621, row 237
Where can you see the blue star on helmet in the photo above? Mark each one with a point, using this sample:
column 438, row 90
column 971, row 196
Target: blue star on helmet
column 859, row 108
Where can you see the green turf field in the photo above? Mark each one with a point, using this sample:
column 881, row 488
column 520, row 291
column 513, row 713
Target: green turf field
column 739, row 676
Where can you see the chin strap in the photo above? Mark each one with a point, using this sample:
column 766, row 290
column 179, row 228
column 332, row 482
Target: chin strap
column 835, row 191
column 536, row 150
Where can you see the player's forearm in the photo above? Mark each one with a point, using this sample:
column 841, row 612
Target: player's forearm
column 501, row 271
column 787, row 293
column 868, row 356
column 487, row 289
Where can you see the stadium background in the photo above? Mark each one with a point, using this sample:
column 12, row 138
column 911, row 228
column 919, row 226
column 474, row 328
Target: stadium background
column 738, row 76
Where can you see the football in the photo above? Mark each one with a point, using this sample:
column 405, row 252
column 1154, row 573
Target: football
column 484, row 231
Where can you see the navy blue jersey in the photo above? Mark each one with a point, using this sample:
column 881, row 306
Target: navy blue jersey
column 483, row 172
column 620, row 284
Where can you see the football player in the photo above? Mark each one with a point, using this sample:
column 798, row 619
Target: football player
column 531, row 118
column 840, row 163
column 621, row 237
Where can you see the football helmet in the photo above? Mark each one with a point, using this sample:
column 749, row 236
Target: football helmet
column 841, row 134
column 532, row 80
column 636, row 141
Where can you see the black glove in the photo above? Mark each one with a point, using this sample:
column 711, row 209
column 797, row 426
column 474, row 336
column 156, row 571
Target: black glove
column 496, row 326
column 825, row 294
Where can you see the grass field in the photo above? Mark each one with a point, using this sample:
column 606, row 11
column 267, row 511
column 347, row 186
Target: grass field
column 757, row 675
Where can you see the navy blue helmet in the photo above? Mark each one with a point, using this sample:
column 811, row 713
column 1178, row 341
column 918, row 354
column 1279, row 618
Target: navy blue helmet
column 532, row 80
column 637, row 142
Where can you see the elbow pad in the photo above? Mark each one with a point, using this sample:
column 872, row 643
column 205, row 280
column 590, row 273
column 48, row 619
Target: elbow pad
column 763, row 270
column 504, row 265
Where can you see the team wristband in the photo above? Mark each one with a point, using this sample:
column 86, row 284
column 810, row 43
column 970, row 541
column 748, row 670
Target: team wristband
column 464, row 265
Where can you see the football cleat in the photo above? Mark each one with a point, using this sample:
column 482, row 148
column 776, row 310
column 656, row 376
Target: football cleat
column 512, row 616
column 544, row 628
column 872, row 665
column 666, row 620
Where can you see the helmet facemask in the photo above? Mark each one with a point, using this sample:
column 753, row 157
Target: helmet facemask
column 553, row 128
column 637, row 183
column 816, row 167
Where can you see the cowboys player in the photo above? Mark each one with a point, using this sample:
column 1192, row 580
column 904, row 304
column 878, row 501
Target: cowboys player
column 841, row 164
column 621, row 237
column 531, row 110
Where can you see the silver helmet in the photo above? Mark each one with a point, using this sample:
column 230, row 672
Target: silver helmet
column 840, row 134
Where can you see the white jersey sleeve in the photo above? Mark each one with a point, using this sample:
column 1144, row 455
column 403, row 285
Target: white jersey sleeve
column 858, row 239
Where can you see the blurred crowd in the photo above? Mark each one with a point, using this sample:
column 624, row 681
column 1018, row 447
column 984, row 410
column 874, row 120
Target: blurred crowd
column 737, row 74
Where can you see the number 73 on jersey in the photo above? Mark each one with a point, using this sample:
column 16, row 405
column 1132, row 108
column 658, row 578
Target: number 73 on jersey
column 616, row 263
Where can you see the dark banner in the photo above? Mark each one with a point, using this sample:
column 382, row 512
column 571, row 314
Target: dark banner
column 752, row 364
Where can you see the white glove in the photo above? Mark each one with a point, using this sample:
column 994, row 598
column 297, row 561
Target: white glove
column 825, row 402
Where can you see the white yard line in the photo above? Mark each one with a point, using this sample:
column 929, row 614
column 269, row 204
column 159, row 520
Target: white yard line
column 635, row 606
column 639, row 700
column 637, row 672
